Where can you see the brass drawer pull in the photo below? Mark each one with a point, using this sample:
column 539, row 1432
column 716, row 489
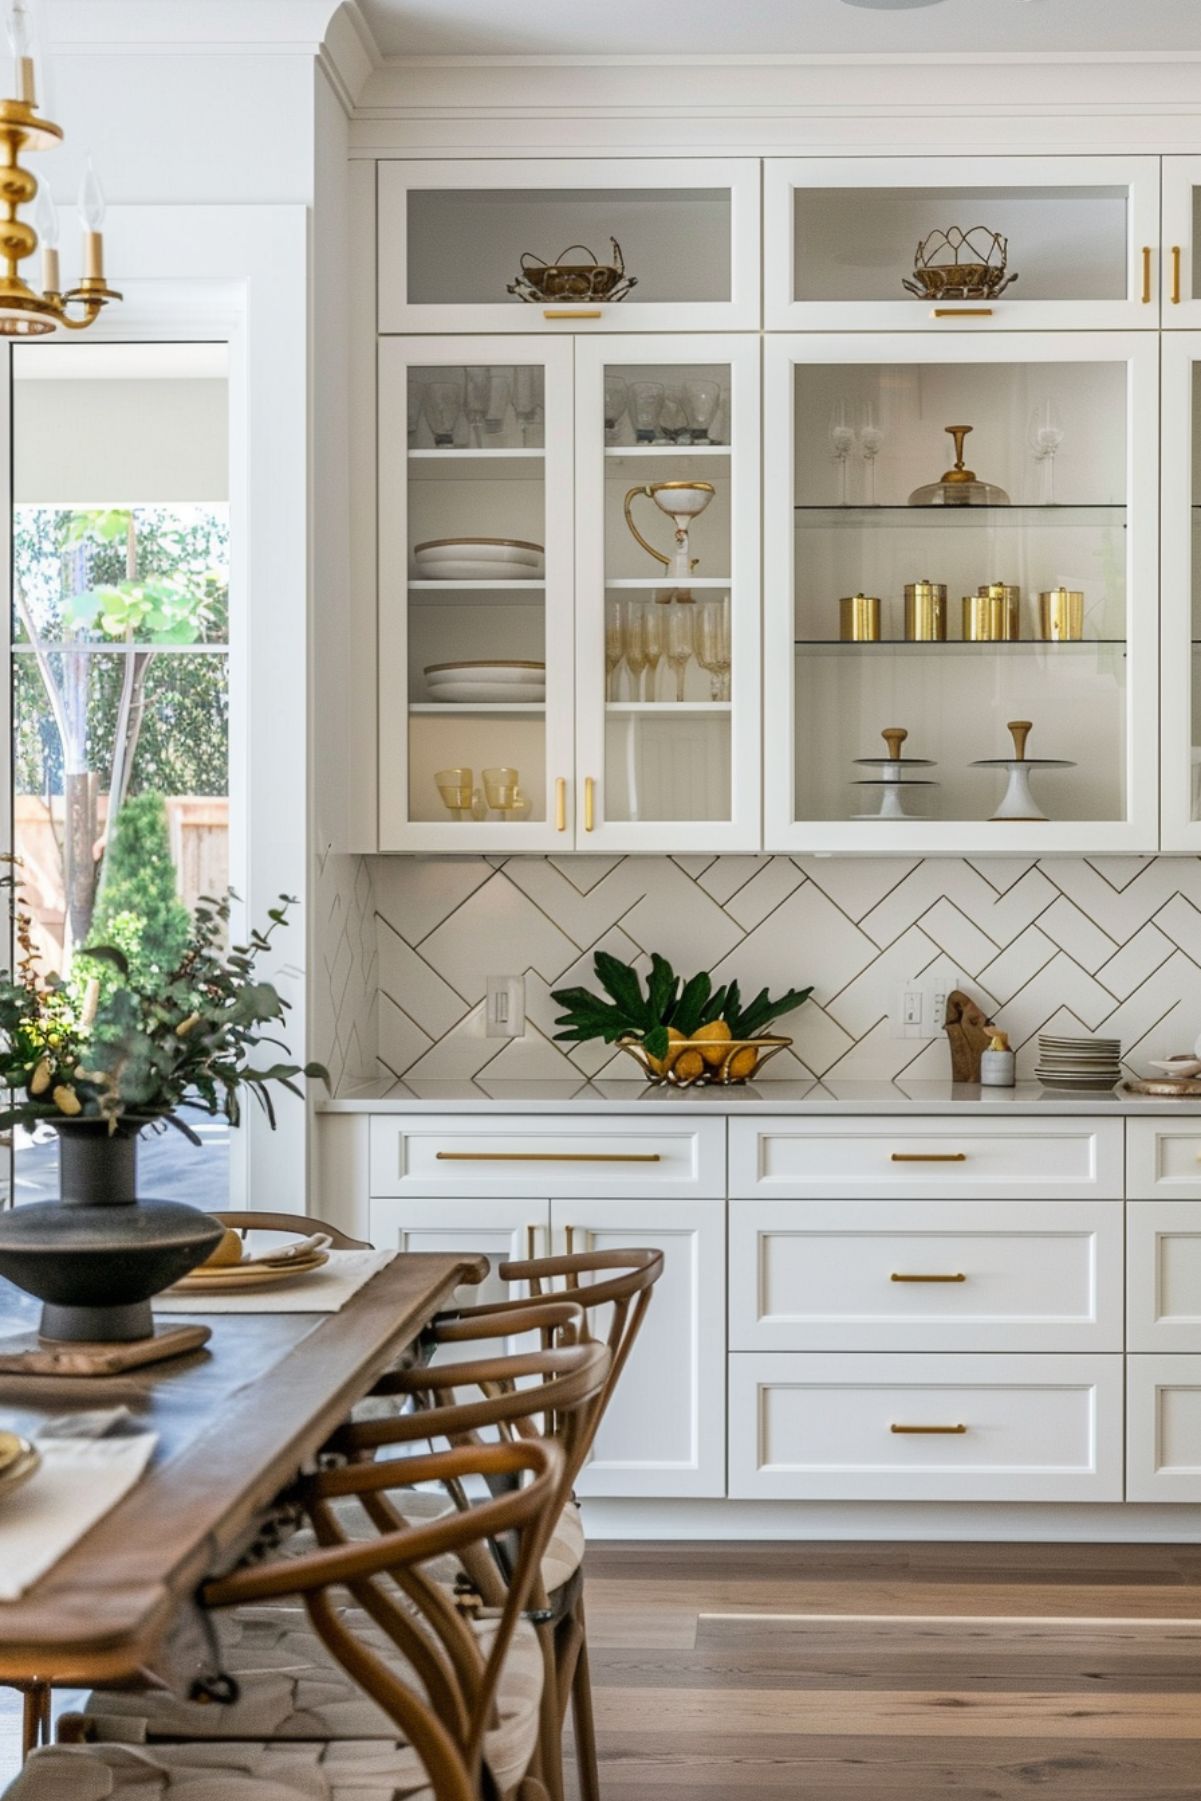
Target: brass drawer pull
column 929, row 1156
column 957, row 1277
column 937, row 1431
column 561, row 804
column 1175, row 275
column 589, row 803
column 548, row 1157
column 1146, row 274
column 961, row 312
column 579, row 312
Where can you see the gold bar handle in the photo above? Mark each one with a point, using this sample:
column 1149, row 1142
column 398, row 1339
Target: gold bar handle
column 547, row 1157
column 530, row 1235
column 961, row 312
column 937, row 1431
column 569, row 1240
column 929, row 1156
column 589, row 803
column 957, row 1277
column 1175, row 275
column 561, row 804
column 1146, row 274
column 577, row 312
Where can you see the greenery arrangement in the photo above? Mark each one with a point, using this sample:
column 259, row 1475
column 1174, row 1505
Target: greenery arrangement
column 668, row 1012
column 151, row 1042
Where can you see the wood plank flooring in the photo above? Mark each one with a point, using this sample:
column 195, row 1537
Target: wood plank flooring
column 916, row 1672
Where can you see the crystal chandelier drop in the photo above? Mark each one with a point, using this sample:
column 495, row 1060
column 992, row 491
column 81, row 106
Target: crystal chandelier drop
column 24, row 312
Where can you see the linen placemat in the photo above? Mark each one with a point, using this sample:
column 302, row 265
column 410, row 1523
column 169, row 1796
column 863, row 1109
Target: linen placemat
column 89, row 1463
column 324, row 1290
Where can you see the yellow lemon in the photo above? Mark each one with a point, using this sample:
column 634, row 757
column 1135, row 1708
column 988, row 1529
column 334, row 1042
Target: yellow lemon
column 718, row 1032
column 688, row 1066
column 742, row 1064
column 661, row 1065
column 228, row 1251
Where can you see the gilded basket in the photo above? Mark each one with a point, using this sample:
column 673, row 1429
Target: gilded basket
column 730, row 1069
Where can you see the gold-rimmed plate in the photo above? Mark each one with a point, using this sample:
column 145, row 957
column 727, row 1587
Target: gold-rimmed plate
column 241, row 1277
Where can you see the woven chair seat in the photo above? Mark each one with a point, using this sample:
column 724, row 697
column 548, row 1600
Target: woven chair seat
column 339, row 1771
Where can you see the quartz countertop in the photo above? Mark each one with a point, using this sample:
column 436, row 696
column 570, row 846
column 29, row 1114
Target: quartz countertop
column 625, row 1096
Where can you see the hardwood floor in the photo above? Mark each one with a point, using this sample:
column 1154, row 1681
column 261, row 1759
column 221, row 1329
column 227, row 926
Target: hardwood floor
column 978, row 1672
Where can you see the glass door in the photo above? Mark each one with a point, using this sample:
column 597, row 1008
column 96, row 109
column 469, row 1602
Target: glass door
column 475, row 594
column 942, row 244
column 667, row 582
column 1180, row 762
column 563, row 245
column 961, row 583
column 1182, row 241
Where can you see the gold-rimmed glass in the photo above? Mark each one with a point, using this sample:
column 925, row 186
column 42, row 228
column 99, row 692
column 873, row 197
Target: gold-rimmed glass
column 713, row 646
column 681, row 641
column 654, row 643
column 634, row 642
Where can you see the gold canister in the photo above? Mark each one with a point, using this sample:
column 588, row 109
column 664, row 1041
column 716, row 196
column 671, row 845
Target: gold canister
column 925, row 610
column 859, row 618
column 1005, row 601
column 979, row 619
column 1061, row 615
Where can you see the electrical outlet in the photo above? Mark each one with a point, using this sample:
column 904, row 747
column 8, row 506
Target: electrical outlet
column 920, row 1008
column 504, row 1010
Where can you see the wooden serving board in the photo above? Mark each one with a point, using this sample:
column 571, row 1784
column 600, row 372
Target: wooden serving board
column 34, row 1356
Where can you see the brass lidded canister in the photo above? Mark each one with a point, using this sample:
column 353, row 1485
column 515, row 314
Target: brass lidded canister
column 925, row 610
column 979, row 624
column 1061, row 614
column 1005, row 602
column 859, row 618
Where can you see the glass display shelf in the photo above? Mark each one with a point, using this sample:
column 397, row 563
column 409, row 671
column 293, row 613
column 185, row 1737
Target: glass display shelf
column 666, row 709
column 940, row 646
column 1019, row 515
column 659, row 581
column 667, row 450
column 532, row 709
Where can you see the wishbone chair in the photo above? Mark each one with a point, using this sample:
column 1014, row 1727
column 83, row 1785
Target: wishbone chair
column 302, row 1223
column 435, row 1680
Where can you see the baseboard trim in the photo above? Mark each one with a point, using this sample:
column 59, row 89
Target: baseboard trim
column 967, row 1522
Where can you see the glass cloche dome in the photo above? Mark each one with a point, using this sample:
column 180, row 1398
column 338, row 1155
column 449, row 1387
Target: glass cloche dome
column 959, row 487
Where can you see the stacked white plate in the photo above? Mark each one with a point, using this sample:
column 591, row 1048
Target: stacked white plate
column 1094, row 1063
column 480, row 560
column 471, row 684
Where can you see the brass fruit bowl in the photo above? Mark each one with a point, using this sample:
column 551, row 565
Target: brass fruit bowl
column 971, row 265
column 540, row 281
column 727, row 1061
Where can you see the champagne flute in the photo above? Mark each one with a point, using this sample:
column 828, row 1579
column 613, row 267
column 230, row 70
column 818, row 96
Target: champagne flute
column 713, row 649
column 617, row 399
column 870, row 439
column 614, row 648
column 443, row 404
column 525, row 398
column 654, row 639
column 1044, row 435
column 635, row 644
column 479, row 387
column 680, row 641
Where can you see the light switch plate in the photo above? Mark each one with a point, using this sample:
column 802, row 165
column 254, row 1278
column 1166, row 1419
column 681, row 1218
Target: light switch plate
column 504, row 1010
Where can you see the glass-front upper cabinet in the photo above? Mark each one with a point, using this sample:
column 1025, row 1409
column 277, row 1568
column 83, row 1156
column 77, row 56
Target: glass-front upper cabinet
column 564, row 246
column 1182, row 241
column 667, row 582
column 960, row 594
column 475, row 594
column 962, row 243
column 1180, row 604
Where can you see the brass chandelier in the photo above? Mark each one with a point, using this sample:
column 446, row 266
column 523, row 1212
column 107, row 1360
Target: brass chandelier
column 24, row 312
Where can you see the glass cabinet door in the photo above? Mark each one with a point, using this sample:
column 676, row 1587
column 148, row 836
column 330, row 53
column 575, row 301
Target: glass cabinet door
column 962, row 244
column 562, row 246
column 1182, row 241
column 475, row 594
column 1180, row 588
column 961, row 550
column 667, row 580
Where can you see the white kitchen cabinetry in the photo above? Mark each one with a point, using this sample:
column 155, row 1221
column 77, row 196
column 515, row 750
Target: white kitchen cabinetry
column 1163, row 1276
column 1180, row 591
column 1163, row 1160
column 838, row 524
column 1182, row 241
column 452, row 236
column 1083, row 240
column 936, row 1428
column 502, row 1231
column 926, row 1276
column 665, row 1432
column 1163, row 1414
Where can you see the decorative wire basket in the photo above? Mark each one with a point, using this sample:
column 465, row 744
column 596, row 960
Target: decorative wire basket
column 971, row 265
column 724, row 1061
column 540, row 281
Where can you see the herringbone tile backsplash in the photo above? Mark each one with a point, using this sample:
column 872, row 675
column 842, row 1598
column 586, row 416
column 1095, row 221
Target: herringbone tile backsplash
column 1111, row 945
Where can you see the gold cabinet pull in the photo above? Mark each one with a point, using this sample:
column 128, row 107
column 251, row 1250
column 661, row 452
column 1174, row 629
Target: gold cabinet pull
column 575, row 312
column 1146, row 274
column 896, row 1276
column 530, row 1232
column 1175, row 275
column 547, row 1157
column 929, row 1156
column 961, row 312
column 561, row 804
column 569, row 1240
column 937, row 1431
column 589, row 803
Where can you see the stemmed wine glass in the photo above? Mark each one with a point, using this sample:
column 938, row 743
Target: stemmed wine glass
column 871, row 437
column 525, row 398
column 713, row 649
column 443, row 404
column 635, row 644
column 500, row 389
column 1044, row 434
column 701, row 397
column 653, row 646
column 617, row 398
column 680, row 641
column 646, row 407
column 842, row 442
column 479, row 388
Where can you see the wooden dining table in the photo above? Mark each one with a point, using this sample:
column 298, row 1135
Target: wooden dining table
column 236, row 1422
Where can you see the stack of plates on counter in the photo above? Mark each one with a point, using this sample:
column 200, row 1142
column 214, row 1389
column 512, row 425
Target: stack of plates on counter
column 480, row 560
column 470, row 684
column 1094, row 1063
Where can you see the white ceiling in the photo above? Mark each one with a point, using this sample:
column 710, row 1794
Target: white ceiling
column 780, row 27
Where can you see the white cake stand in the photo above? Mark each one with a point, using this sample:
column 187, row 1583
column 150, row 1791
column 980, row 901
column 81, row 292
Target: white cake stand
column 892, row 779
column 1018, row 802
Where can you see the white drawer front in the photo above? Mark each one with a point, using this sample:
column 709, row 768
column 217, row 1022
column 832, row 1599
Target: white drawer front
column 592, row 1158
column 1163, row 1162
column 1163, row 1276
column 976, row 1159
column 1036, row 1428
column 926, row 1276
column 1163, row 1428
